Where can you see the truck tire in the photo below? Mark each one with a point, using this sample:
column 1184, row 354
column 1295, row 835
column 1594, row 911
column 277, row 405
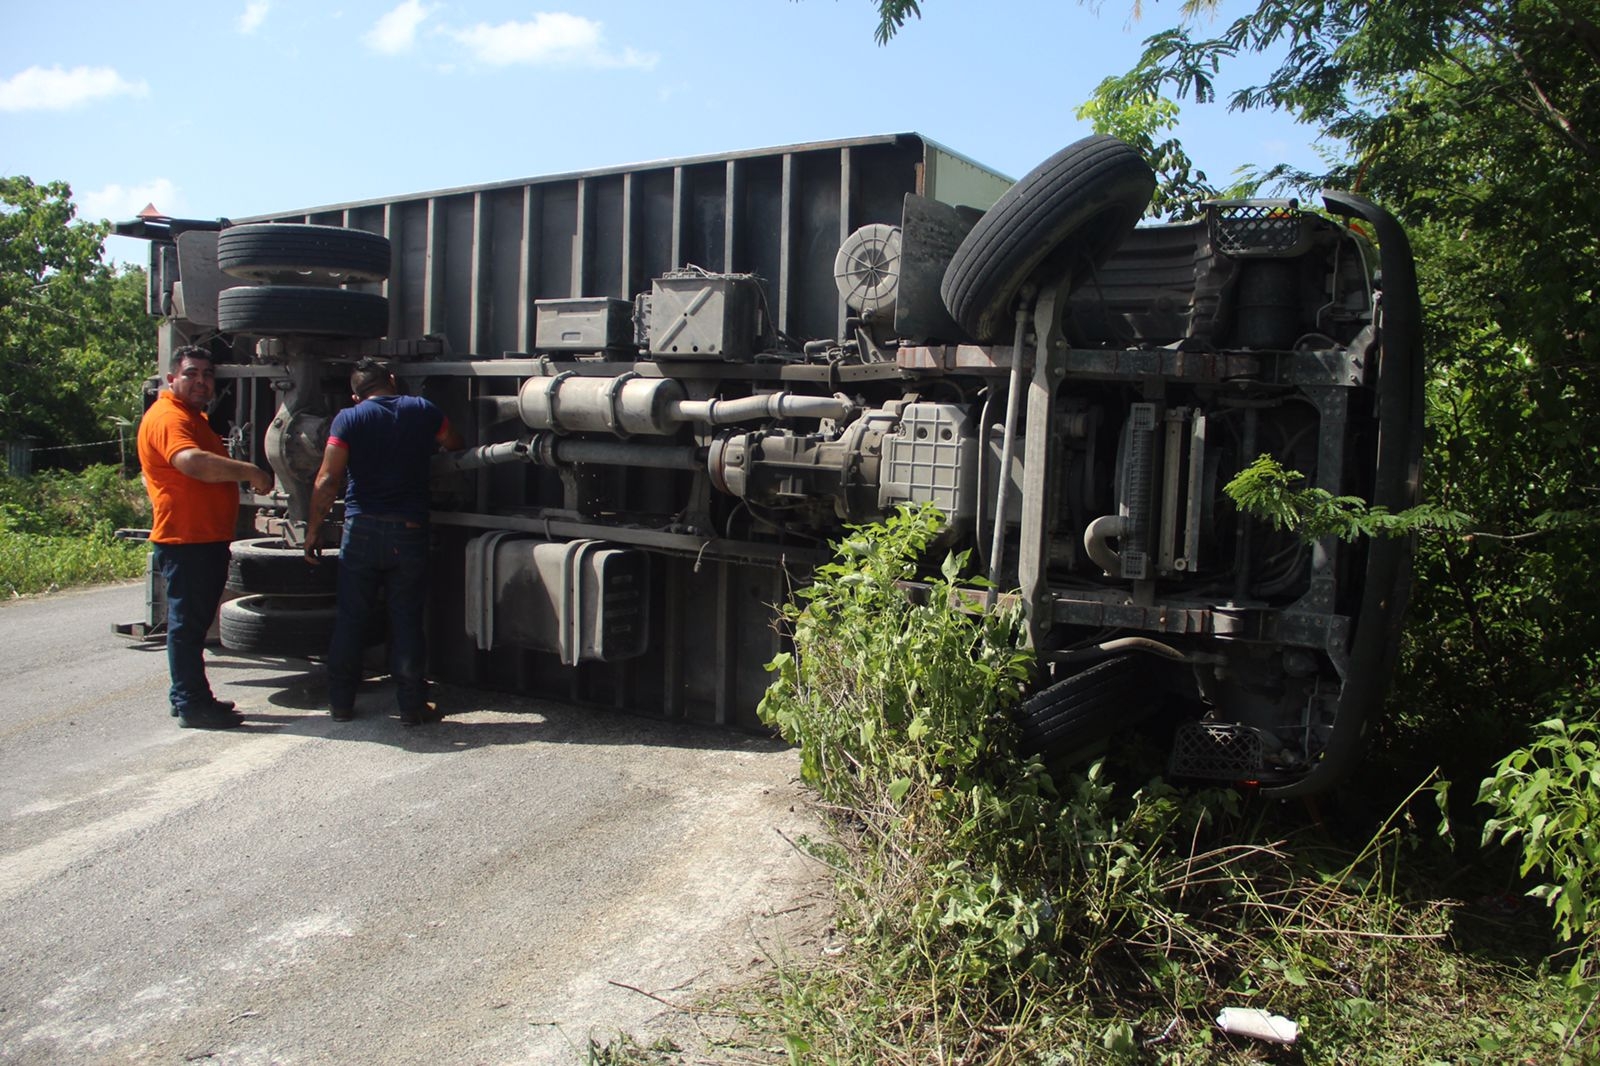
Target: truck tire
column 290, row 626
column 295, row 254
column 1071, row 211
column 1086, row 708
column 268, row 565
column 286, row 310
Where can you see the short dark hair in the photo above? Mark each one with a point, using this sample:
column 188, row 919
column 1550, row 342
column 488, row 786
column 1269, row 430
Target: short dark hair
column 369, row 374
column 191, row 351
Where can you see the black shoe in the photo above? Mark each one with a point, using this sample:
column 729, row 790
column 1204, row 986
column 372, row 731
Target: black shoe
column 224, row 709
column 207, row 718
column 429, row 712
column 226, row 705
column 341, row 714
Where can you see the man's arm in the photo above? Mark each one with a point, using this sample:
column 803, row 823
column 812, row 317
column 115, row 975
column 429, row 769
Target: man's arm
column 211, row 467
column 330, row 478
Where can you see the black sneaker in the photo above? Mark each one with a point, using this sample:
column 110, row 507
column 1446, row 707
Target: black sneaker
column 207, row 718
column 341, row 714
column 226, row 705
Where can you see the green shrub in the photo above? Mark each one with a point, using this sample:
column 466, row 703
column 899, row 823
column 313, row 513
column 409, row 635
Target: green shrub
column 57, row 502
column 31, row 563
column 917, row 688
column 998, row 910
column 1546, row 801
column 56, row 529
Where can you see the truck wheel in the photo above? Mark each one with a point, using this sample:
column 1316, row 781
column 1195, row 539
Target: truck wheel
column 295, row 254
column 285, row 310
column 1087, row 707
column 293, row 626
column 268, row 565
column 1069, row 212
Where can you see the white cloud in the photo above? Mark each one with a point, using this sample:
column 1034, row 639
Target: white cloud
column 255, row 13
column 120, row 203
column 551, row 39
column 396, row 30
column 54, row 89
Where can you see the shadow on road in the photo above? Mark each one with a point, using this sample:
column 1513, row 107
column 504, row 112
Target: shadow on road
column 473, row 718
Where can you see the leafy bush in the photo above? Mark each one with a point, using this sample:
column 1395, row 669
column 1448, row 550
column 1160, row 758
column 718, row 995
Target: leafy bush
column 1546, row 801
column 56, row 529
column 1001, row 911
column 919, row 688
column 31, row 563
column 56, row 502
column 898, row 709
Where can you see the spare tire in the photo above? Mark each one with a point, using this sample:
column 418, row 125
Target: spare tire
column 293, row 626
column 295, row 254
column 286, row 310
column 268, row 565
column 1068, row 213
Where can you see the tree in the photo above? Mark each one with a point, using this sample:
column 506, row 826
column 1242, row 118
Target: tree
column 74, row 337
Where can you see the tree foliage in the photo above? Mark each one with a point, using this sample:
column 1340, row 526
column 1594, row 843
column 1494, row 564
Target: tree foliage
column 892, row 15
column 1272, row 493
column 74, row 337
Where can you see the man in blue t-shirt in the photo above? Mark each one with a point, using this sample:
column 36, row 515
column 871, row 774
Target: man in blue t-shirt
column 378, row 452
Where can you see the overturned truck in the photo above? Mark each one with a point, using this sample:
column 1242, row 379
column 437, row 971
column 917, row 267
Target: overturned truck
column 680, row 380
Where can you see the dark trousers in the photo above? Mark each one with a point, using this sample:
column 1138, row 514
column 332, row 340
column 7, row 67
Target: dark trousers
column 195, row 575
column 381, row 557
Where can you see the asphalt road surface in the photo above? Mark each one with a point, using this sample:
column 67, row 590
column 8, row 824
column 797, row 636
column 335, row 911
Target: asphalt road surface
column 499, row 887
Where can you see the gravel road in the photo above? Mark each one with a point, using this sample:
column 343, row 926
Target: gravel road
column 481, row 890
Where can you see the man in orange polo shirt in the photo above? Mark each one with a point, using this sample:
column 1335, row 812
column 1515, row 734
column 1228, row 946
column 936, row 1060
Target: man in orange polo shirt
column 194, row 493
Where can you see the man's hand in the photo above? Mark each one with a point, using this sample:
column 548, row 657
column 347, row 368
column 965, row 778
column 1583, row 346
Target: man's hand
column 313, row 552
column 261, row 481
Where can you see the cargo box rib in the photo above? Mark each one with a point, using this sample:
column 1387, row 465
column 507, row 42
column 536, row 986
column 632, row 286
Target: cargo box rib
column 470, row 261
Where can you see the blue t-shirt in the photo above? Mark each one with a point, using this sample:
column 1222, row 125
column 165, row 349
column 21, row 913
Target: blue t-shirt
column 390, row 440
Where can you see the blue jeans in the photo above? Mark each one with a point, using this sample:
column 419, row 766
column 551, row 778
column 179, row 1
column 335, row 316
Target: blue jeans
column 195, row 575
column 388, row 556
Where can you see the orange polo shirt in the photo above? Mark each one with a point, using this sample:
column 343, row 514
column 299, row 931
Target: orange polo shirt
column 186, row 510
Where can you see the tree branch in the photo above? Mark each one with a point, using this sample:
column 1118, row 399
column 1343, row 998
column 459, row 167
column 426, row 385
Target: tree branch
column 1553, row 114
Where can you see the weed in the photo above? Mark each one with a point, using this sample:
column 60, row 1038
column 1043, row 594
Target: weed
column 56, row 530
column 1546, row 801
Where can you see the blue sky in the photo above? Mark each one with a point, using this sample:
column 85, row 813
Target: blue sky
column 243, row 107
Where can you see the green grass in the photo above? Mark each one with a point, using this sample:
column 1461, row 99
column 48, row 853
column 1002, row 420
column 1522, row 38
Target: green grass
column 32, row 563
column 1396, row 953
column 56, row 530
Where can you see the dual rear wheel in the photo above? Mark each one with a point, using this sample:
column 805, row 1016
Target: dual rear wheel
column 282, row 605
column 298, row 271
